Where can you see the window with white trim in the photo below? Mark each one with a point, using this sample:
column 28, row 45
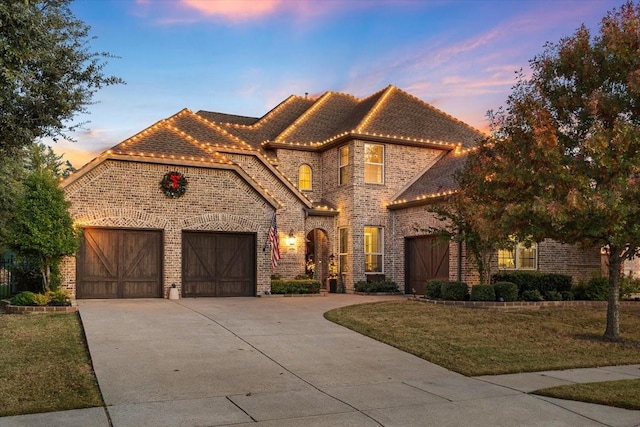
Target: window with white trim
column 374, row 163
column 304, row 177
column 522, row 256
column 343, row 252
column 373, row 249
column 343, row 161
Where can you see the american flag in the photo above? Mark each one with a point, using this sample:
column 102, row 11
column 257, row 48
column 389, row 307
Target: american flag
column 274, row 240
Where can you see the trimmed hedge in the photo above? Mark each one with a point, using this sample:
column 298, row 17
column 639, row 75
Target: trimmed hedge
column 386, row 286
column 483, row 293
column 455, row 291
column 508, row 291
column 299, row 286
column 535, row 281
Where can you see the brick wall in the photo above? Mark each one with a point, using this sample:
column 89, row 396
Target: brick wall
column 126, row 194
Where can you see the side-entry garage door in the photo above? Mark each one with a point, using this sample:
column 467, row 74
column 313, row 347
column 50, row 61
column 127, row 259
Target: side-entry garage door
column 119, row 263
column 218, row 264
column 426, row 258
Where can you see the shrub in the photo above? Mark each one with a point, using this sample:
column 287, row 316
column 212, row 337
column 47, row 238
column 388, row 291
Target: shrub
column 375, row 287
column 59, row 297
column 24, row 298
column 595, row 289
column 305, row 286
column 567, row 296
column 508, row 291
column 533, row 280
column 553, row 296
column 483, row 293
column 532, row 295
column 433, row 289
column 629, row 285
column 455, row 291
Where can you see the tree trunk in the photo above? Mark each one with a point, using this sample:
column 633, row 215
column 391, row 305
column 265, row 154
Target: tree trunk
column 613, row 307
column 45, row 269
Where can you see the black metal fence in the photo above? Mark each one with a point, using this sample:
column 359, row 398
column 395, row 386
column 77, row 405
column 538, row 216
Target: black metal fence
column 6, row 277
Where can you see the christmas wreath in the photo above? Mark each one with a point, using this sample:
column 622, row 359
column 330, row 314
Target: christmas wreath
column 173, row 184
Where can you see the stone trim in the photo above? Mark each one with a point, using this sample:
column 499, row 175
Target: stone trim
column 520, row 305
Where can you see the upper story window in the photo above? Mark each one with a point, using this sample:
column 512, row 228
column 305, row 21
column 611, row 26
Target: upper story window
column 373, row 249
column 304, row 177
column 374, row 163
column 343, row 161
column 521, row 257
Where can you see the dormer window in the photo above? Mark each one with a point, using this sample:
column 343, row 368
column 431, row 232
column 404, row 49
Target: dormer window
column 374, row 163
column 304, row 178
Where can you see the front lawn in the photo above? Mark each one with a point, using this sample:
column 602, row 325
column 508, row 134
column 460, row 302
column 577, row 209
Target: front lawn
column 482, row 342
column 624, row 393
column 44, row 365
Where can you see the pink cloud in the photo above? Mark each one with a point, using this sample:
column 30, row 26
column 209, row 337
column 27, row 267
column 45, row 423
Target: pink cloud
column 234, row 10
column 241, row 11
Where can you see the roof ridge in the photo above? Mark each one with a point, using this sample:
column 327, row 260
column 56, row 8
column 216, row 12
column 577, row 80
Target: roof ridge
column 267, row 117
column 439, row 111
column 146, row 130
column 386, row 92
column 314, row 107
column 220, row 129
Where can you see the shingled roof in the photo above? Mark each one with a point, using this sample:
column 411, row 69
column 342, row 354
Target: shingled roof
column 438, row 181
column 389, row 115
column 315, row 123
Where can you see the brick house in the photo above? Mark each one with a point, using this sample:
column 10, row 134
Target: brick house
column 348, row 179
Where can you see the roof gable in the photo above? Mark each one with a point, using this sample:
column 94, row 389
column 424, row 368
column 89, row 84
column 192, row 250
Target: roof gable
column 396, row 113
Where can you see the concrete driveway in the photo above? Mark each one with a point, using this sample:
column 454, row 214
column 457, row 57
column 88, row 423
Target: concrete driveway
column 278, row 362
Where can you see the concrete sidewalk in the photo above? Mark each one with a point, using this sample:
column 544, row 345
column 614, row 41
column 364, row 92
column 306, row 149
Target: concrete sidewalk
column 278, row 362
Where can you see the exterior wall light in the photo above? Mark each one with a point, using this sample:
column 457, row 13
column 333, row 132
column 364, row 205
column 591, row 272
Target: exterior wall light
column 291, row 239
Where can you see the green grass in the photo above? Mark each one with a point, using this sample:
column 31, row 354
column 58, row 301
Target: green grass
column 483, row 342
column 44, row 365
column 623, row 394
column 479, row 342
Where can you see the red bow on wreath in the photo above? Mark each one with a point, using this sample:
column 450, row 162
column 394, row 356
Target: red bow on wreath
column 175, row 181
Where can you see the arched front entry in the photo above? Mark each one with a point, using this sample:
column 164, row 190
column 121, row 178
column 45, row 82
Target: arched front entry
column 317, row 254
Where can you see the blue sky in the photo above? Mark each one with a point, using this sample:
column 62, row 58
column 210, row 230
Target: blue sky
column 244, row 57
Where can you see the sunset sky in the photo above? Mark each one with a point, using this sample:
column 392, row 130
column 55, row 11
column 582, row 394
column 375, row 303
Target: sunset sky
column 244, row 57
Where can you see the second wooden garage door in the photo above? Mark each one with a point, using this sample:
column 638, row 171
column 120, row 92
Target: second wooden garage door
column 218, row 264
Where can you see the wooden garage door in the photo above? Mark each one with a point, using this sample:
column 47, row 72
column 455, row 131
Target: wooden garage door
column 218, row 264
column 117, row 263
column 426, row 258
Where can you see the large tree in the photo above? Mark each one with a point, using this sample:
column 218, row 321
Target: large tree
column 48, row 73
column 42, row 227
column 564, row 159
column 460, row 222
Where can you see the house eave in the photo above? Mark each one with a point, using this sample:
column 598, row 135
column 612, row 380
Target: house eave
column 419, row 202
column 349, row 136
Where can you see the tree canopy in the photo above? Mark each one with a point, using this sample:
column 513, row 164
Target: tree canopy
column 48, row 71
column 564, row 158
column 42, row 227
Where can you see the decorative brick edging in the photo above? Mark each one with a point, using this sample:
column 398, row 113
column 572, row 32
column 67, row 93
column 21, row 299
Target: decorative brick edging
column 22, row 309
column 521, row 305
